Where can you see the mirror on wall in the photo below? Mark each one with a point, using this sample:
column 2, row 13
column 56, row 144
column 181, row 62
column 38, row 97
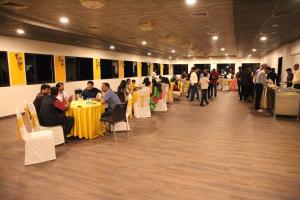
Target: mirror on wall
column 4, row 72
column 226, row 68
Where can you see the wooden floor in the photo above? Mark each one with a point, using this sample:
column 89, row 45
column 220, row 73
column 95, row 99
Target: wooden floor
column 222, row 151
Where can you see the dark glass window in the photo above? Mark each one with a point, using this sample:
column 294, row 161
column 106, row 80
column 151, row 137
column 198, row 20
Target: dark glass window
column 39, row 68
column 4, row 72
column 79, row 69
column 145, row 69
column 156, row 68
column 130, row 69
column 180, row 68
column 109, row 69
column 203, row 67
column 166, row 69
column 226, row 67
column 251, row 66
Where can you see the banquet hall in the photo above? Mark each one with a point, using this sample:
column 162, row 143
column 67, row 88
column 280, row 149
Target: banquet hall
column 148, row 99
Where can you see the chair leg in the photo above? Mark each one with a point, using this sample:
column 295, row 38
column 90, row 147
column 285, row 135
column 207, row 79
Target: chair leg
column 115, row 134
column 128, row 132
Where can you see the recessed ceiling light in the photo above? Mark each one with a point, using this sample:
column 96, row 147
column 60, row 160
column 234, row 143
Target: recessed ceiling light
column 263, row 38
column 226, row 54
column 249, row 55
column 149, row 54
column 210, row 58
column 112, row 47
column 170, row 57
column 64, row 20
column 144, row 43
column 223, row 49
column 254, row 50
column 173, row 51
column 194, row 58
column 189, row 55
column 20, row 31
column 190, row 2
column 215, row 37
column 275, row 25
column 227, row 57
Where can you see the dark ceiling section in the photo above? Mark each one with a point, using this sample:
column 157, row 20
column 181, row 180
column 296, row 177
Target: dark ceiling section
column 278, row 20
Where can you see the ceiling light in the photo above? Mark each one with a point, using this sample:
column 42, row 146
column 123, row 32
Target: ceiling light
column 249, row 56
column 189, row 55
column 112, row 47
column 263, row 38
column 92, row 4
column 222, row 49
column 227, row 57
column 173, row 51
column 144, row 43
column 226, row 54
column 64, row 20
column 20, row 31
column 210, row 58
column 170, row 57
column 215, row 37
column 149, row 54
column 254, row 50
column 194, row 58
column 275, row 25
column 190, row 2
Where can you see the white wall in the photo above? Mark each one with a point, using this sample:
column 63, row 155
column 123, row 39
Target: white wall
column 290, row 53
column 14, row 96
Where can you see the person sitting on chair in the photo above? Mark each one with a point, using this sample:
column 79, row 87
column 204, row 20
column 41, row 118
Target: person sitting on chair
column 45, row 91
column 90, row 92
column 52, row 112
column 111, row 98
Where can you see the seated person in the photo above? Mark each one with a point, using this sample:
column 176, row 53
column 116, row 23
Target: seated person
column 133, row 85
column 147, row 87
column 45, row 91
column 122, row 94
column 111, row 98
column 90, row 92
column 176, row 87
column 128, row 86
column 52, row 112
column 156, row 94
column 62, row 95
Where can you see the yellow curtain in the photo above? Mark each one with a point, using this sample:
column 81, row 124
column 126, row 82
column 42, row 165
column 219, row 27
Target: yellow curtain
column 121, row 69
column 139, row 69
column 17, row 68
column 170, row 69
column 60, row 68
column 161, row 69
column 97, row 69
column 151, row 68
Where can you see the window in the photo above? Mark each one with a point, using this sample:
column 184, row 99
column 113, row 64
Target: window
column 39, row 68
column 226, row 68
column 156, row 68
column 166, row 69
column 130, row 69
column 109, row 69
column 180, row 68
column 203, row 67
column 145, row 69
column 4, row 73
column 79, row 69
column 252, row 66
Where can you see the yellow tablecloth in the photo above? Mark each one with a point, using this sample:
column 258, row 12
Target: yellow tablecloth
column 87, row 117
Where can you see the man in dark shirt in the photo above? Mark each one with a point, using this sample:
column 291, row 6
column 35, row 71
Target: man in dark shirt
column 45, row 91
column 273, row 76
column 52, row 112
column 289, row 78
column 90, row 92
column 246, row 82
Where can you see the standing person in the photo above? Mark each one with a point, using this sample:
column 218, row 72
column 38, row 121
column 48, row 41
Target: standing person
column 45, row 91
column 259, row 84
column 246, row 82
column 214, row 78
column 273, row 76
column 238, row 78
column 122, row 91
column 204, row 82
column 62, row 95
column 110, row 98
column 289, row 78
column 52, row 112
column 90, row 92
column 128, row 86
column 296, row 79
column 189, row 89
column 194, row 83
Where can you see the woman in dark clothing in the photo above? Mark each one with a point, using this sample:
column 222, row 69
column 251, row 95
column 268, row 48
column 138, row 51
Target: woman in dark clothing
column 122, row 91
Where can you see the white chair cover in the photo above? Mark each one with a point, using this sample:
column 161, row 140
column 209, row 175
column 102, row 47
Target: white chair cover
column 121, row 126
column 161, row 105
column 57, row 130
column 142, row 106
column 39, row 145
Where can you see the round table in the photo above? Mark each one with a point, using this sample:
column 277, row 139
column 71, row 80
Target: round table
column 87, row 115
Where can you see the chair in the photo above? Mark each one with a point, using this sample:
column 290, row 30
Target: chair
column 141, row 107
column 118, row 115
column 57, row 130
column 39, row 145
column 122, row 126
column 161, row 105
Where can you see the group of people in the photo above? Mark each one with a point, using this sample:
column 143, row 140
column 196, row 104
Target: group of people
column 251, row 84
column 206, row 80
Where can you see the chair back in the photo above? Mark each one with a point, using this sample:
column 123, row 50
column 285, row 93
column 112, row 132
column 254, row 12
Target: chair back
column 21, row 126
column 119, row 112
column 33, row 118
column 143, row 99
column 129, row 105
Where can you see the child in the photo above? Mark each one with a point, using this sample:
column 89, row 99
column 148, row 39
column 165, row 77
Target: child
column 204, row 82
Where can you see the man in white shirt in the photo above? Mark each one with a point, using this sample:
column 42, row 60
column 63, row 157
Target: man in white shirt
column 62, row 95
column 296, row 79
column 260, row 82
column 204, row 82
column 193, row 82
